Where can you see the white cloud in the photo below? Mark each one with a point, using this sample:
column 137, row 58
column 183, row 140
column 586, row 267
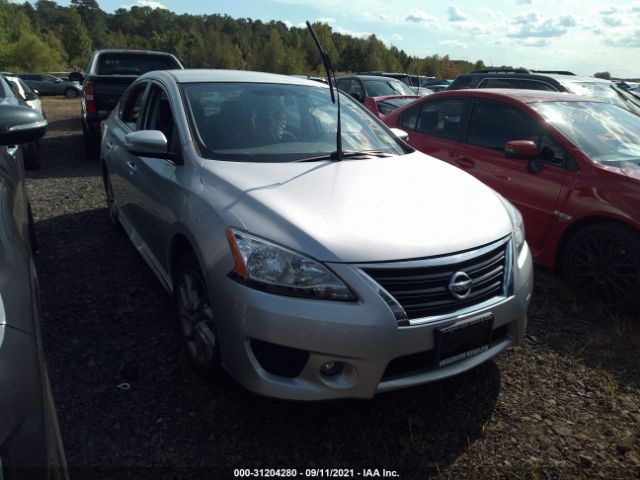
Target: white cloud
column 288, row 23
column 396, row 37
column 632, row 40
column 328, row 20
column 420, row 16
column 524, row 2
column 537, row 43
column 455, row 14
column 344, row 31
column 535, row 26
column 453, row 43
column 611, row 21
column 145, row 3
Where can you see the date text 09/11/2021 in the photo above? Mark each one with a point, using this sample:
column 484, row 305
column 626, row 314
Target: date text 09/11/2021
column 315, row 473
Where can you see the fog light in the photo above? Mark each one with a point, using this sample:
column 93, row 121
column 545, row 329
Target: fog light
column 331, row 369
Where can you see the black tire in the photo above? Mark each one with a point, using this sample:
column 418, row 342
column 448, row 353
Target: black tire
column 111, row 208
column 601, row 264
column 195, row 318
column 71, row 93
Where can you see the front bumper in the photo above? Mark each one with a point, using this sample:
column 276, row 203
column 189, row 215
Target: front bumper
column 364, row 336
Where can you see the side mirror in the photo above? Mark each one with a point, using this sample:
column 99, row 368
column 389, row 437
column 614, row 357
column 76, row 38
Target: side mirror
column 521, row 149
column 76, row 77
column 401, row 134
column 20, row 124
column 148, row 143
column 36, row 92
column 525, row 150
column 357, row 96
column 30, row 96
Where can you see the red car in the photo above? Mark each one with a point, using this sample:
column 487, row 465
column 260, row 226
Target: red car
column 381, row 95
column 570, row 164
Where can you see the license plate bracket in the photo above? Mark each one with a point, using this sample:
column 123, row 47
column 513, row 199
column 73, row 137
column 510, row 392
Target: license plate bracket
column 463, row 339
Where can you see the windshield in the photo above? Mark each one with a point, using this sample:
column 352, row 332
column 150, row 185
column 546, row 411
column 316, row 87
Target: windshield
column 603, row 131
column 602, row 91
column 261, row 122
column 386, row 86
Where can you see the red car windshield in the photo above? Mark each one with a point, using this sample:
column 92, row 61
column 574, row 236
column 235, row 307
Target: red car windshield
column 608, row 134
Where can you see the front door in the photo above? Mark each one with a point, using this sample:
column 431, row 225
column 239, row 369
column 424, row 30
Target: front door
column 491, row 125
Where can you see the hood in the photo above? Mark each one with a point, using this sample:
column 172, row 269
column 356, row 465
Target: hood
column 631, row 169
column 379, row 209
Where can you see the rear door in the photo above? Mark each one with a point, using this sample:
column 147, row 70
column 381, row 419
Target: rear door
column 491, row 125
column 122, row 163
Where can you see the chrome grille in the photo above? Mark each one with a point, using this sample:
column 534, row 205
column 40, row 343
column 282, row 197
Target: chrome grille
column 422, row 287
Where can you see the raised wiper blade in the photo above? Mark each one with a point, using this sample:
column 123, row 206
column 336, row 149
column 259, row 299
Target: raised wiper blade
column 346, row 154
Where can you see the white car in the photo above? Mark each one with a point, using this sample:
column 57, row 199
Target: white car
column 25, row 92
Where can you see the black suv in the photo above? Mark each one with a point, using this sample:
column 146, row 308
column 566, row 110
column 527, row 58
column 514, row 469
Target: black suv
column 550, row 80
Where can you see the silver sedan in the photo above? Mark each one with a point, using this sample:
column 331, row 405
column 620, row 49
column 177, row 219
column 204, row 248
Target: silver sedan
column 303, row 273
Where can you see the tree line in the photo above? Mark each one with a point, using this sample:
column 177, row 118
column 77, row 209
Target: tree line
column 45, row 36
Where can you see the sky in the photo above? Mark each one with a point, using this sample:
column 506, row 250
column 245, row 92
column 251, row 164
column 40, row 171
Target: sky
column 583, row 36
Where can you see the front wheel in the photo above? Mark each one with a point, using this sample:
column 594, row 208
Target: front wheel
column 196, row 318
column 70, row 93
column 602, row 264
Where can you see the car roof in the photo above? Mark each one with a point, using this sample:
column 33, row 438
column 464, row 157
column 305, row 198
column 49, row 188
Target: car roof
column 521, row 95
column 240, row 76
column 368, row 77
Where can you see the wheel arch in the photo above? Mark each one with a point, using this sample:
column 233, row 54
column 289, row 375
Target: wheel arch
column 180, row 246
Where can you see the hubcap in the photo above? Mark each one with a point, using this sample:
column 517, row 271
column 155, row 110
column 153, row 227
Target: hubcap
column 602, row 267
column 196, row 318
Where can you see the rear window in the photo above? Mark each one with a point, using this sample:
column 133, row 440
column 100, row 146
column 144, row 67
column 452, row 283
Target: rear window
column 128, row 64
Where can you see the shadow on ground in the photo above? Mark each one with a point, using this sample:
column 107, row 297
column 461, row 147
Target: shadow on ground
column 107, row 321
column 589, row 333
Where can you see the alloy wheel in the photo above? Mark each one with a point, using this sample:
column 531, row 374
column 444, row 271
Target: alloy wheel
column 195, row 317
column 603, row 267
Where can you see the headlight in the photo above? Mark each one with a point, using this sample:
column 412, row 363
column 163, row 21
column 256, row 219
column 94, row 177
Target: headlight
column 516, row 221
column 277, row 269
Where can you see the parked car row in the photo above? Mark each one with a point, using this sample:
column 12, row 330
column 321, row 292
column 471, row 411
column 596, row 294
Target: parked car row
column 570, row 164
column 30, row 442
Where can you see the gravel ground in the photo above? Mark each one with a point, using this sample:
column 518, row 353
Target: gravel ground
column 565, row 404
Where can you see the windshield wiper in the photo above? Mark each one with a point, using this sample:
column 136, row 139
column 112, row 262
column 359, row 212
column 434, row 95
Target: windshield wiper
column 346, row 154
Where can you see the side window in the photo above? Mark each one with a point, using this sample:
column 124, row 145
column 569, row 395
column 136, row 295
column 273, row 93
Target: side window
column 132, row 105
column 501, row 83
column 537, row 85
column 160, row 117
column 441, row 119
column 410, row 118
column 493, row 124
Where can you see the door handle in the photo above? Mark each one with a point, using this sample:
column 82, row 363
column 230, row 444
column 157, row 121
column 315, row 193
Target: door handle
column 465, row 162
column 132, row 167
column 108, row 145
column 12, row 150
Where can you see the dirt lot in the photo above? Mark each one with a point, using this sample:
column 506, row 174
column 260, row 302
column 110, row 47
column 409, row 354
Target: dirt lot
column 565, row 404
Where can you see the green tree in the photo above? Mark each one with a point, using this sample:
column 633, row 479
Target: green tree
column 32, row 54
column 605, row 75
column 75, row 38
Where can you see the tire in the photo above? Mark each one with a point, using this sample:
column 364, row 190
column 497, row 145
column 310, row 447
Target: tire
column 71, row 93
column 111, row 207
column 601, row 263
column 195, row 318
